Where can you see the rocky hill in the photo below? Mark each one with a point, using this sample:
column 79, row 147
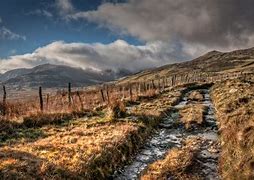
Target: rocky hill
column 213, row 61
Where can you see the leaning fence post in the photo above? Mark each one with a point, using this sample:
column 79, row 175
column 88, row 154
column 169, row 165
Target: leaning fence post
column 130, row 89
column 102, row 95
column 144, row 84
column 69, row 94
column 80, row 100
column 4, row 101
column 41, row 99
column 159, row 84
column 172, row 81
column 153, row 84
column 47, row 102
column 137, row 88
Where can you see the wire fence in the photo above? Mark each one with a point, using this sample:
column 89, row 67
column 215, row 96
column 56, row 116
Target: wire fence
column 17, row 104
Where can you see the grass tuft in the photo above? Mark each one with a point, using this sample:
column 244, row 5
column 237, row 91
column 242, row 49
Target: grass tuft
column 234, row 102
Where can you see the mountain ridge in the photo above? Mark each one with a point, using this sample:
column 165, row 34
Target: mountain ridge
column 213, row 61
column 51, row 75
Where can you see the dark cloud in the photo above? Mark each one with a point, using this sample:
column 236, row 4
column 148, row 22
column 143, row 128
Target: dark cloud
column 172, row 30
column 219, row 24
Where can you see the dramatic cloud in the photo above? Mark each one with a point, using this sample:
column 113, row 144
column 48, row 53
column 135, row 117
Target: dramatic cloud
column 171, row 30
column 115, row 56
column 220, row 24
column 8, row 34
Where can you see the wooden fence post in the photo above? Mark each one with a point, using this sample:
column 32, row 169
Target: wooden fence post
column 130, row 90
column 80, row 100
column 41, row 99
column 47, row 102
column 102, row 95
column 186, row 78
column 163, row 83
column 4, row 101
column 172, row 81
column 136, row 88
column 159, row 85
column 69, row 94
column 153, row 84
column 144, row 90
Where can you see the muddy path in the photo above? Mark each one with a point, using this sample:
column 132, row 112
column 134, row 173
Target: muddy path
column 171, row 133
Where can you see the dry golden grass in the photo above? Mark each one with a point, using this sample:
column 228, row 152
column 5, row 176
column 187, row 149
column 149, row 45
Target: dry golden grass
column 41, row 119
column 158, row 104
column 89, row 148
column 53, row 104
column 176, row 164
column 234, row 103
column 196, row 96
column 78, row 150
column 192, row 114
column 116, row 109
column 57, row 106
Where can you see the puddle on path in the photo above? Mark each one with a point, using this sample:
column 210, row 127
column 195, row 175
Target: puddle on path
column 168, row 136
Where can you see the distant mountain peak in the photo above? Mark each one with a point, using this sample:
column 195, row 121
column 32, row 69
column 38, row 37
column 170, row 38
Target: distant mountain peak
column 52, row 75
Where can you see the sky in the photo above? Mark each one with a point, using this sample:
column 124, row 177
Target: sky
column 120, row 34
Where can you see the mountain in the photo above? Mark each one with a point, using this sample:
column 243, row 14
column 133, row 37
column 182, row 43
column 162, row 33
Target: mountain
column 49, row 75
column 213, row 61
column 13, row 73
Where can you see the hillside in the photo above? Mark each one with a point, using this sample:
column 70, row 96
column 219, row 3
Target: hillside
column 13, row 74
column 49, row 75
column 211, row 62
column 184, row 130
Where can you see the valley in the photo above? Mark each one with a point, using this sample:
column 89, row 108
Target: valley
column 158, row 124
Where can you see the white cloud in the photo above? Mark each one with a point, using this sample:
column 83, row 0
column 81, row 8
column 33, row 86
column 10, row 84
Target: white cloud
column 117, row 55
column 8, row 34
column 1, row 20
column 220, row 24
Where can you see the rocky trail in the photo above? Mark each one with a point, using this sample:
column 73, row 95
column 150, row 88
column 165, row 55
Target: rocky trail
column 172, row 133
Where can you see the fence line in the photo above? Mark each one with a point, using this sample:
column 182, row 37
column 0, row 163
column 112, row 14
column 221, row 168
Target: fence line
column 80, row 100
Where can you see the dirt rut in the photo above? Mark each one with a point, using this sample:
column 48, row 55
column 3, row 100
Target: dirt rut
column 172, row 133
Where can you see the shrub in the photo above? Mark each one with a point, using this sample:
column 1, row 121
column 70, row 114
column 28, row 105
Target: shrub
column 116, row 109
